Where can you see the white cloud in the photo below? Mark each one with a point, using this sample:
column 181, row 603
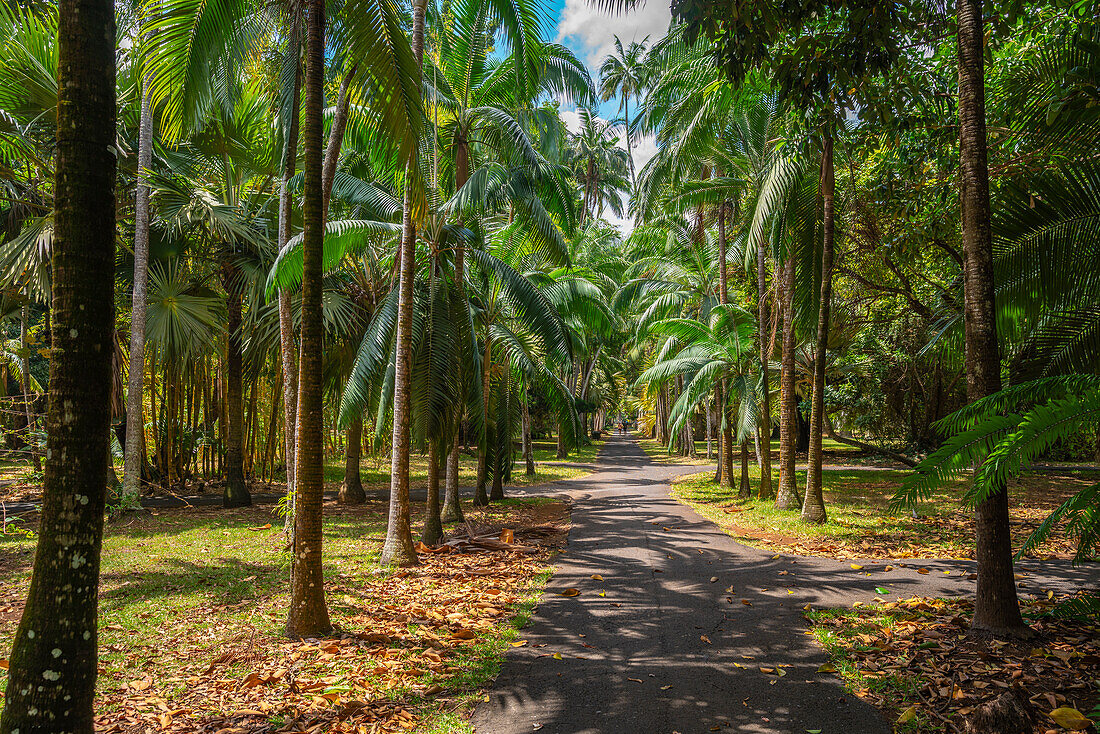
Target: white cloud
column 642, row 150
column 590, row 30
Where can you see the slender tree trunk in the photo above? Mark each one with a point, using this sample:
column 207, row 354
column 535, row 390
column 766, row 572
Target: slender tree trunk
column 996, row 606
column 452, row 505
column 52, row 673
column 433, row 522
column 813, row 506
column 236, row 490
column 27, row 392
column 786, row 498
column 764, row 431
column 503, row 454
column 481, row 497
column 308, row 614
column 629, row 152
column 746, row 487
column 287, row 346
column 135, row 420
column 719, row 391
column 351, row 491
column 708, row 408
column 398, row 549
column 561, row 452
column 528, row 448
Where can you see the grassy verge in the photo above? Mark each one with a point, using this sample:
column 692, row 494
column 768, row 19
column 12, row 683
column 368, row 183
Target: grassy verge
column 913, row 660
column 193, row 601
column 861, row 523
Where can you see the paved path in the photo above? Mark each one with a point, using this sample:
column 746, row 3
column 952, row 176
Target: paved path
column 666, row 650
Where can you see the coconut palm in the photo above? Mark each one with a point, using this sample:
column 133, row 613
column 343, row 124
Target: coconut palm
column 623, row 73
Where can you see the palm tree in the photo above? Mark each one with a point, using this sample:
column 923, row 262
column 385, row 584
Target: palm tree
column 624, row 73
column 57, row 630
column 996, row 606
column 308, row 614
column 599, row 164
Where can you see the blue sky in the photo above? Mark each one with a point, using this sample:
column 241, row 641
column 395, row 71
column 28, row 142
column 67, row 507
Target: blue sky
column 590, row 32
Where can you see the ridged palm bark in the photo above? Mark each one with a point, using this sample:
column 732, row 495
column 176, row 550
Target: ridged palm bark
column 236, row 492
column 308, row 614
column 764, row 431
column 452, row 505
column 135, row 420
column 481, row 496
column 996, row 606
column 433, row 522
column 813, row 505
column 351, row 489
column 53, row 665
column 287, row 345
column 725, row 446
column 786, row 497
column 398, row 548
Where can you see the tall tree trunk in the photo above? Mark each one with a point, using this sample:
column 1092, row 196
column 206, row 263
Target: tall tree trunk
column 52, row 673
column 561, row 452
column 135, row 419
column 528, row 448
column 629, row 152
column 236, row 492
column 24, row 347
column 746, row 488
column 452, row 504
column 351, row 490
column 786, row 498
column 764, row 430
column 398, row 549
column 287, row 346
column 481, row 497
column 725, row 455
column 996, row 606
column 308, row 614
column 502, row 455
column 813, row 506
column 433, row 522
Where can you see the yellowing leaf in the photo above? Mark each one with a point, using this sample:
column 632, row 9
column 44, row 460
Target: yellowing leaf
column 597, row 577
column 570, row 592
column 907, row 715
column 857, row 567
column 556, row 656
column 1070, row 718
column 827, row 668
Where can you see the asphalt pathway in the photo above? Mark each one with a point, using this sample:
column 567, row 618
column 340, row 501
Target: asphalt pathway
column 673, row 635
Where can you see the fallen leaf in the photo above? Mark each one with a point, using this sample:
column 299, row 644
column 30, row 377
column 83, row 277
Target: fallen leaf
column 507, row 535
column 923, row 571
column 746, row 602
column 1070, row 718
column 827, row 668
column 262, row 527
column 596, row 577
column 907, row 715
column 705, row 639
column 570, row 592
column 857, row 567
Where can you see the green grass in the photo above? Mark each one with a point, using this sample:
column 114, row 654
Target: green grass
column 181, row 587
column 374, row 469
column 839, row 632
column 860, row 522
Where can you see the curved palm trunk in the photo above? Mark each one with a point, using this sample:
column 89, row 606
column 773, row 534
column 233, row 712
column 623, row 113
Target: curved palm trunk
column 996, row 606
column 236, row 492
column 481, row 498
column 398, row 549
column 351, row 490
column 813, row 506
column 52, row 673
column 764, row 431
column 133, row 457
column 786, row 498
column 308, row 615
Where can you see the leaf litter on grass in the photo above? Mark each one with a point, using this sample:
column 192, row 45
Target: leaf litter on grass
column 915, row 661
column 411, row 646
